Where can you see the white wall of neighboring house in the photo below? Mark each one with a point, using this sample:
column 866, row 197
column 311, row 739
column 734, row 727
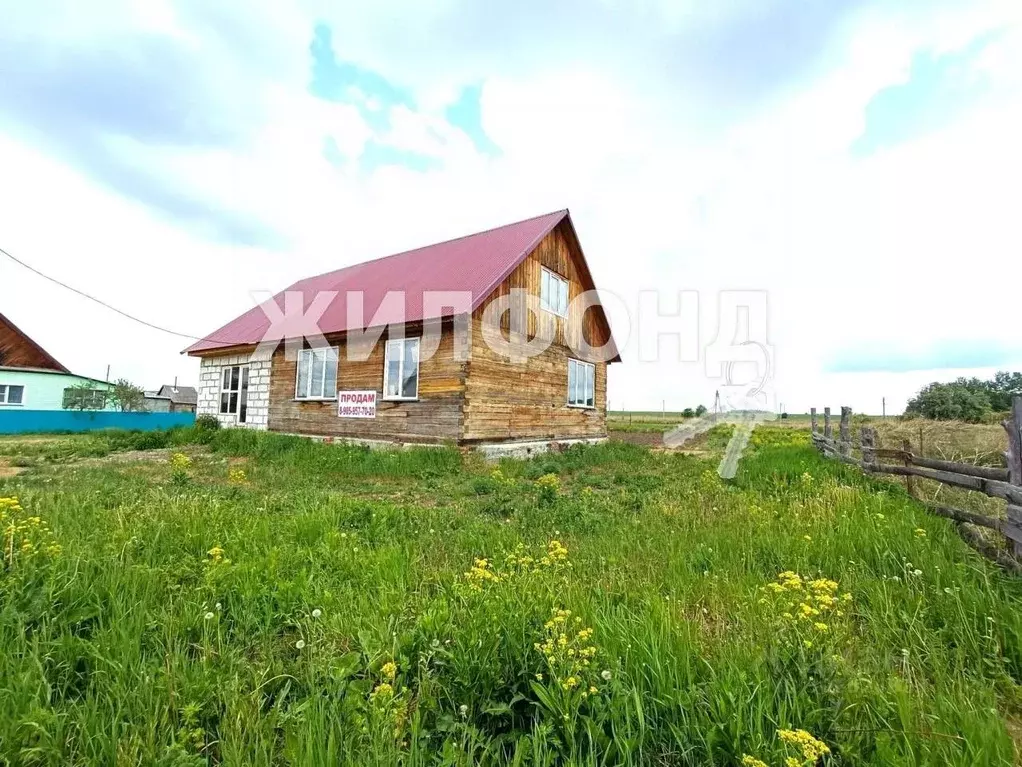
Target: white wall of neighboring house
column 211, row 374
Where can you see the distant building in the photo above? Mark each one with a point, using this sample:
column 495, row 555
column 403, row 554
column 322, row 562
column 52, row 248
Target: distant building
column 156, row 403
column 182, row 399
column 32, row 379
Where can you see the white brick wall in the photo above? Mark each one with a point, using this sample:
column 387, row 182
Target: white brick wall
column 211, row 374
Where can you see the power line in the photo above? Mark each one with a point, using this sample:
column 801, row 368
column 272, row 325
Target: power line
column 102, row 303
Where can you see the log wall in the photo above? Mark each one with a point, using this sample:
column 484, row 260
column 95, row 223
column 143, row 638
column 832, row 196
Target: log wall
column 485, row 398
column 436, row 416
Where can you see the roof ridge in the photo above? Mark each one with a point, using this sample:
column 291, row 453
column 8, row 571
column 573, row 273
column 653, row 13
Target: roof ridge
column 431, row 245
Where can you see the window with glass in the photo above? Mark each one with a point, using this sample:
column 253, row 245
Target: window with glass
column 317, row 374
column 11, row 394
column 553, row 293
column 234, row 392
column 401, row 369
column 581, row 384
column 76, row 398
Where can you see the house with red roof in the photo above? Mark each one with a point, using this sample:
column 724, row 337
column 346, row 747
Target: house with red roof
column 32, row 379
column 495, row 337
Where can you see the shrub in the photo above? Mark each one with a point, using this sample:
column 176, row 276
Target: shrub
column 207, row 422
column 151, row 440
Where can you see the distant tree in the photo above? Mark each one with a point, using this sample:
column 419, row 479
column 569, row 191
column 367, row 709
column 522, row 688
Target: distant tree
column 1003, row 388
column 127, row 397
column 687, row 413
column 701, row 410
column 961, row 400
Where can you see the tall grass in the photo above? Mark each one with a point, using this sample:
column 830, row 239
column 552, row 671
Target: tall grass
column 334, row 605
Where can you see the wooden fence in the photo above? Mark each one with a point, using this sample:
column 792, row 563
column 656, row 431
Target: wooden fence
column 1003, row 483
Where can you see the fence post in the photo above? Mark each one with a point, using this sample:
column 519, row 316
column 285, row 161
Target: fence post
column 828, row 430
column 867, row 436
column 910, row 482
column 845, row 431
column 1013, row 426
column 812, row 420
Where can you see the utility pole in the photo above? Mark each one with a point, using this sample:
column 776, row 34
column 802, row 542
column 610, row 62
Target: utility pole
column 108, row 373
column 883, row 401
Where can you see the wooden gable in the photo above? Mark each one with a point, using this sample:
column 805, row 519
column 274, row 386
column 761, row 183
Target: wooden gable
column 20, row 351
column 561, row 253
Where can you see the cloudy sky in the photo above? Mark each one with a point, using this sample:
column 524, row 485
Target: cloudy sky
column 859, row 161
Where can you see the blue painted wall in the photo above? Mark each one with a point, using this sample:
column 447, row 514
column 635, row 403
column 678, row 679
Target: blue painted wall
column 38, row 421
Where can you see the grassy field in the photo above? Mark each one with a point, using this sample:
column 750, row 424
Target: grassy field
column 266, row 600
column 644, row 422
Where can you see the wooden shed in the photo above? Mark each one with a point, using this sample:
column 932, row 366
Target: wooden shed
column 485, row 382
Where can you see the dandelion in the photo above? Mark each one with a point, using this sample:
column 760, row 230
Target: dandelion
column 317, row 613
column 920, row 532
column 300, row 644
column 209, row 616
column 807, row 538
column 605, row 675
column 218, row 606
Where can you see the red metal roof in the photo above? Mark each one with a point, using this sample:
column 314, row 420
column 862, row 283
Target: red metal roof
column 476, row 263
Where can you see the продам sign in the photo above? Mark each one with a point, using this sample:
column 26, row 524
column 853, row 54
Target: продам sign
column 356, row 404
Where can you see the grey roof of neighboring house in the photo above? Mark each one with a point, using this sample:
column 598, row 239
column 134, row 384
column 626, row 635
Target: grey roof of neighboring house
column 182, row 395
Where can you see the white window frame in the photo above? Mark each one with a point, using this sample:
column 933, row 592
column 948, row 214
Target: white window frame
column 393, row 343
column 331, row 353
column 243, row 388
column 548, row 278
column 588, row 370
column 6, row 388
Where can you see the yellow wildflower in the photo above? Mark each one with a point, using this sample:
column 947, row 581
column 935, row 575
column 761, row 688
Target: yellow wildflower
column 812, row 749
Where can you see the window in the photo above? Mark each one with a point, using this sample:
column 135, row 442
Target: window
column 84, row 399
column 317, row 374
column 401, row 369
column 581, row 384
column 12, row 395
column 553, row 293
column 234, row 392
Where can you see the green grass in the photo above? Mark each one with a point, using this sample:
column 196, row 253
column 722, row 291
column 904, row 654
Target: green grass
column 134, row 644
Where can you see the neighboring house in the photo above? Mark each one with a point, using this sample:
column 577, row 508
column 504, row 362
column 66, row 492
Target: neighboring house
column 469, row 394
column 183, row 399
column 156, row 402
column 31, row 379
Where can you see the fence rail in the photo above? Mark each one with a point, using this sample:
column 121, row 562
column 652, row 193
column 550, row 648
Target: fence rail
column 1003, row 483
